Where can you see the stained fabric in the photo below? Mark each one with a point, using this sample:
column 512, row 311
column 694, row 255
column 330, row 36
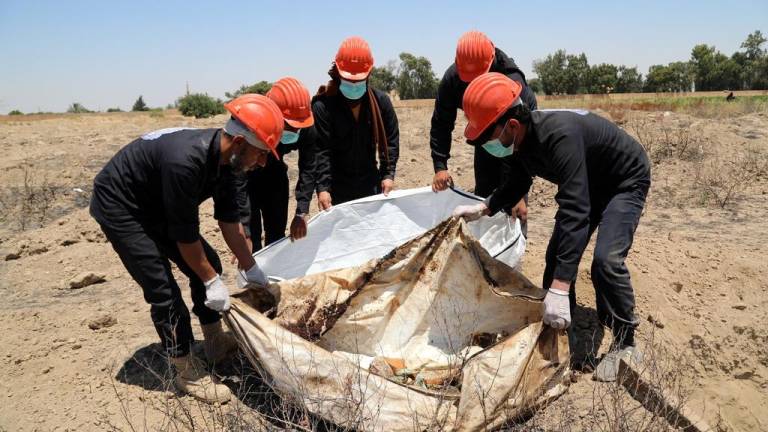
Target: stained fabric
column 434, row 335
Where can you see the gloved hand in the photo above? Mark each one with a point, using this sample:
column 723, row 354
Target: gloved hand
column 253, row 275
column 557, row 309
column 217, row 294
column 470, row 212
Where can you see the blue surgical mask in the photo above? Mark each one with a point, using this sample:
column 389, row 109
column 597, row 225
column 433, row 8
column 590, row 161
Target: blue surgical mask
column 352, row 90
column 496, row 148
column 289, row 137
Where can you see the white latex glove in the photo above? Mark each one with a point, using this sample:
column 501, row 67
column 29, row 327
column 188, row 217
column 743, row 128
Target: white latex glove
column 253, row 275
column 470, row 212
column 217, row 294
column 557, row 309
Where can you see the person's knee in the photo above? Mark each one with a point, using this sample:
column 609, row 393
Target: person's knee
column 607, row 263
column 169, row 311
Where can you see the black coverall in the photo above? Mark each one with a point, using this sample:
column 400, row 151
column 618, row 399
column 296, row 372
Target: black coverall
column 489, row 170
column 345, row 158
column 146, row 200
column 603, row 176
column 268, row 191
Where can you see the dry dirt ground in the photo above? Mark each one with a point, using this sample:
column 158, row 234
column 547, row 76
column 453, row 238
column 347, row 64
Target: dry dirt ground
column 71, row 359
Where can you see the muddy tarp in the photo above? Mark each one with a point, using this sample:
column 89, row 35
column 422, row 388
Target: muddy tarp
column 455, row 338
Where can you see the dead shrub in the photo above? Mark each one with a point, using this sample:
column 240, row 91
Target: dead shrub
column 29, row 204
column 720, row 181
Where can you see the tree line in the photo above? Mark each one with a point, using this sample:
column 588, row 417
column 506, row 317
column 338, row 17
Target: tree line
column 412, row 77
column 707, row 69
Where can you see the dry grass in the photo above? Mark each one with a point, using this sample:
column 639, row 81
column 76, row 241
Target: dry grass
column 30, row 203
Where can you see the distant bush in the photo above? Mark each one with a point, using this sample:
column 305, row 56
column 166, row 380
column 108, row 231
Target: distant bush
column 77, row 108
column 139, row 105
column 15, row 112
column 261, row 87
column 114, row 109
column 200, row 105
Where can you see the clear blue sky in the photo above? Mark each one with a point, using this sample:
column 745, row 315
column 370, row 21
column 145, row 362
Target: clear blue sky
column 106, row 53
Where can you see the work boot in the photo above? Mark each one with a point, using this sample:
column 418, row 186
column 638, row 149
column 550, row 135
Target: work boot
column 194, row 380
column 608, row 368
column 218, row 344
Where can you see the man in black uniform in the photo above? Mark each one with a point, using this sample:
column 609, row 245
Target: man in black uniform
column 603, row 176
column 268, row 186
column 146, row 200
column 475, row 55
column 353, row 123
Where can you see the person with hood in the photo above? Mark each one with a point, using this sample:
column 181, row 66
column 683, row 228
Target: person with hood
column 602, row 176
column 146, row 201
column 475, row 55
column 355, row 124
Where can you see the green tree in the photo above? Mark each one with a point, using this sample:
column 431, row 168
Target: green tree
column 629, row 80
column 200, row 105
column 713, row 70
column 675, row 77
column 551, row 72
column 15, row 112
column 562, row 73
column 577, row 74
column 383, row 78
column 752, row 63
column 415, row 78
column 139, row 105
column 117, row 109
column 753, row 45
column 261, row 87
column 535, row 85
column 603, row 78
column 77, row 108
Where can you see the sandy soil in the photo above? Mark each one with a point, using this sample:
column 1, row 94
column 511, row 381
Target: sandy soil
column 698, row 272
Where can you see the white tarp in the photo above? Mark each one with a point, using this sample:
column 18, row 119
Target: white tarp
column 352, row 233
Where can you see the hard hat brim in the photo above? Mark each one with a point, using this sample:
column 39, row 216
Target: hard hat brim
column 354, row 76
column 300, row 124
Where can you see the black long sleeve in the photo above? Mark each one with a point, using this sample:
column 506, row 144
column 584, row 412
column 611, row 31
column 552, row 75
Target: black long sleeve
column 573, row 199
column 447, row 102
column 305, row 185
column 322, row 146
column 388, row 164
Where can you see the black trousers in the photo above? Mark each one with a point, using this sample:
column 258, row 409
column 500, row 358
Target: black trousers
column 145, row 254
column 268, row 196
column 615, row 219
column 490, row 172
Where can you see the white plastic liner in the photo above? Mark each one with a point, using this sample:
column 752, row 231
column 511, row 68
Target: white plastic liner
column 355, row 232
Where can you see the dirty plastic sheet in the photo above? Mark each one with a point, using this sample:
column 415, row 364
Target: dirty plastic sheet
column 424, row 304
column 352, row 233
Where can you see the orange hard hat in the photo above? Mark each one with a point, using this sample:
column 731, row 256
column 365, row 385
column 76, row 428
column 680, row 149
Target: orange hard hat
column 474, row 55
column 488, row 97
column 261, row 116
column 294, row 102
column 354, row 59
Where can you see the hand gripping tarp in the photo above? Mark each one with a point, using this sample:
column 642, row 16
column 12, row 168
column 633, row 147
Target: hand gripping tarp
column 438, row 308
column 352, row 233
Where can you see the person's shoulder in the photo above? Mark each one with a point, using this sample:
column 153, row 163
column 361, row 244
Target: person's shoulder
column 550, row 124
column 182, row 145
